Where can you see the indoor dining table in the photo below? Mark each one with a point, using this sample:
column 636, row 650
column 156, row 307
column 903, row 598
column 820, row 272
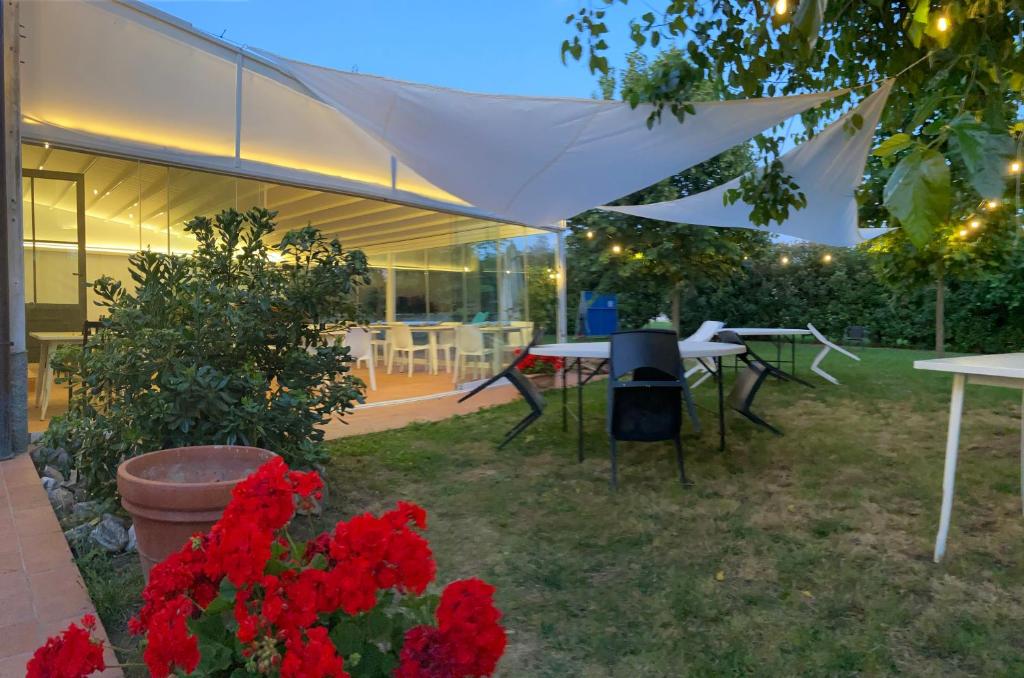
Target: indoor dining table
column 600, row 351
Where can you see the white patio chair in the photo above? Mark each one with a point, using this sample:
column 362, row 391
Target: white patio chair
column 469, row 343
column 826, row 347
column 379, row 340
column 361, row 349
column 447, row 345
column 400, row 341
column 706, row 332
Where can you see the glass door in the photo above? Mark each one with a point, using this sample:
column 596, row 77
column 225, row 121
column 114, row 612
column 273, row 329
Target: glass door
column 53, row 219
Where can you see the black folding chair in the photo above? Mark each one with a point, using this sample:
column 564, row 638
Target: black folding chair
column 749, row 381
column 531, row 394
column 645, row 391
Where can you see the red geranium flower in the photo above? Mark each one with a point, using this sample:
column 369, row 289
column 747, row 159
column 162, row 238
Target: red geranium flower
column 72, row 654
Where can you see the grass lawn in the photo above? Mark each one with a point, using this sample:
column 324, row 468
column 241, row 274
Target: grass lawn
column 808, row 554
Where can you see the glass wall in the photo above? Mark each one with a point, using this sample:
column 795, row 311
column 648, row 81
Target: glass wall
column 85, row 214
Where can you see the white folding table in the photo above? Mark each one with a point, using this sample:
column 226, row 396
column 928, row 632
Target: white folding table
column 1001, row 369
column 601, row 351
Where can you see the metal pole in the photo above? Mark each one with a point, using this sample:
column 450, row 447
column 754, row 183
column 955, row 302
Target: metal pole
column 13, row 366
column 562, row 321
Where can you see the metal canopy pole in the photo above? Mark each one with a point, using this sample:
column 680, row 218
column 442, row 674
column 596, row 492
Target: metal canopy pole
column 13, row 367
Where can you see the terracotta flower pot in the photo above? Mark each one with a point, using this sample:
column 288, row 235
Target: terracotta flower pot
column 173, row 494
column 543, row 381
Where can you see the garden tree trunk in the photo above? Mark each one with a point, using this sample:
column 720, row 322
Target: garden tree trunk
column 676, row 292
column 940, row 313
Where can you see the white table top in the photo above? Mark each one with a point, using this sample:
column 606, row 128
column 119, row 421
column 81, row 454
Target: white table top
column 56, row 336
column 994, row 365
column 601, row 349
column 767, row 331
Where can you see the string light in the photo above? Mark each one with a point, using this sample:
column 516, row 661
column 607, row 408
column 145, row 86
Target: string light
column 638, row 255
column 590, row 235
column 1014, row 167
column 992, row 204
column 975, row 223
column 963, row 232
column 46, row 144
column 942, row 24
column 616, row 249
column 785, row 261
column 780, row 7
column 827, row 258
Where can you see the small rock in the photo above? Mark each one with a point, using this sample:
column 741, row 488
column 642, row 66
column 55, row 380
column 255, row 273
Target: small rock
column 51, row 472
column 85, row 509
column 61, row 459
column 61, row 500
column 81, row 493
column 110, row 535
column 133, row 543
column 39, row 454
column 78, row 537
column 49, row 483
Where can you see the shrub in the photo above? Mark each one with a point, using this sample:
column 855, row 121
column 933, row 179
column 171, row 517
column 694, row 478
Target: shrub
column 246, row 599
column 220, row 346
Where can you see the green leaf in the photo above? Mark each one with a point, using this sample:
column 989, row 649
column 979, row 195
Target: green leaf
column 918, row 193
column 807, row 20
column 985, row 153
column 348, row 636
column 894, row 144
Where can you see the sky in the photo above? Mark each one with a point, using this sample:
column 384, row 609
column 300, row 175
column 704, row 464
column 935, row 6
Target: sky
column 510, row 47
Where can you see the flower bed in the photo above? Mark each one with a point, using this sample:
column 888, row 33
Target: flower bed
column 246, row 597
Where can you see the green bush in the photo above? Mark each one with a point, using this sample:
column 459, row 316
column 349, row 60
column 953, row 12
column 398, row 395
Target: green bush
column 221, row 346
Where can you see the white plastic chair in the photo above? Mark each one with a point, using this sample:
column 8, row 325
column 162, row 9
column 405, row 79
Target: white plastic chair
column 446, row 344
column 826, row 347
column 706, row 332
column 400, row 341
column 469, row 343
column 361, row 349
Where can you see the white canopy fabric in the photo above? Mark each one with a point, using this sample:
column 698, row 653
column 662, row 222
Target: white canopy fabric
column 121, row 78
column 828, row 169
column 537, row 160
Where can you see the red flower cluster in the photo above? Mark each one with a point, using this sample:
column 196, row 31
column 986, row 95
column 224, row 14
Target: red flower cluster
column 542, row 364
column 72, row 654
column 468, row 640
column 285, row 597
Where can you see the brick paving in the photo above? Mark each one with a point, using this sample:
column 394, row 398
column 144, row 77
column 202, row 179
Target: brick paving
column 41, row 590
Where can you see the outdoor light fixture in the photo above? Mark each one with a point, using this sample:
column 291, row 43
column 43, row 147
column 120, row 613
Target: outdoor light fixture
column 781, row 7
column 616, row 249
column 975, row 223
column 46, row 144
column 785, row 261
column 1014, row 167
column 963, row 232
column 992, row 204
column 827, row 258
column 590, row 235
column 942, row 24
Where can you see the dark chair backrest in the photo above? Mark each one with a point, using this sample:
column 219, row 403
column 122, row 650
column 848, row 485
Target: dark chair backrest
column 857, row 333
column 647, row 406
column 744, row 390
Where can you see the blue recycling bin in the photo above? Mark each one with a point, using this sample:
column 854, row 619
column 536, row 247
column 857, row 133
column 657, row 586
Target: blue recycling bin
column 599, row 314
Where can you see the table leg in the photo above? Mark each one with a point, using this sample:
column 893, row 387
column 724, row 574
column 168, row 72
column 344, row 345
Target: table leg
column 45, row 379
column 579, row 410
column 956, row 409
column 721, row 404
column 792, row 352
column 432, row 343
column 43, row 360
column 565, row 398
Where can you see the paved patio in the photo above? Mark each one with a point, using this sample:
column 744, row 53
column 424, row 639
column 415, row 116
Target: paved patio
column 41, row 590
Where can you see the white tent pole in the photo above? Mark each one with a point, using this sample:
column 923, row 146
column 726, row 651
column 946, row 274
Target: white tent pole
column 238, row 108
column 562, row 320
column 390, row 291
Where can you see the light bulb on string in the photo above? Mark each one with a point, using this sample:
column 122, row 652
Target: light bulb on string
column 992, row 204
column 785, row 261
column 616, row 249
column 975, row 224
column 963, row 232
column 781, row 6
column 827, row 258
column 590, row 235
column 942, row 24
column 1014, row 167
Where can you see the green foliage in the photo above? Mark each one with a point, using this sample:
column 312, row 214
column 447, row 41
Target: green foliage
column 221, row 346
column 960, row 76
column 870, row 286
column 918, row 193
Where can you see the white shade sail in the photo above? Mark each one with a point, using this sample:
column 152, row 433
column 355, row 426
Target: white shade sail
column 537, row 160
column 828, row 169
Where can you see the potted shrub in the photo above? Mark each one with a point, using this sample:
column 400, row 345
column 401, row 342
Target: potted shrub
column 247, row 599
column 218, row 347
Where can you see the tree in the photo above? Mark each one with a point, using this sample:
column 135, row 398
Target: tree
column 959, row 69
column 649, row 263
